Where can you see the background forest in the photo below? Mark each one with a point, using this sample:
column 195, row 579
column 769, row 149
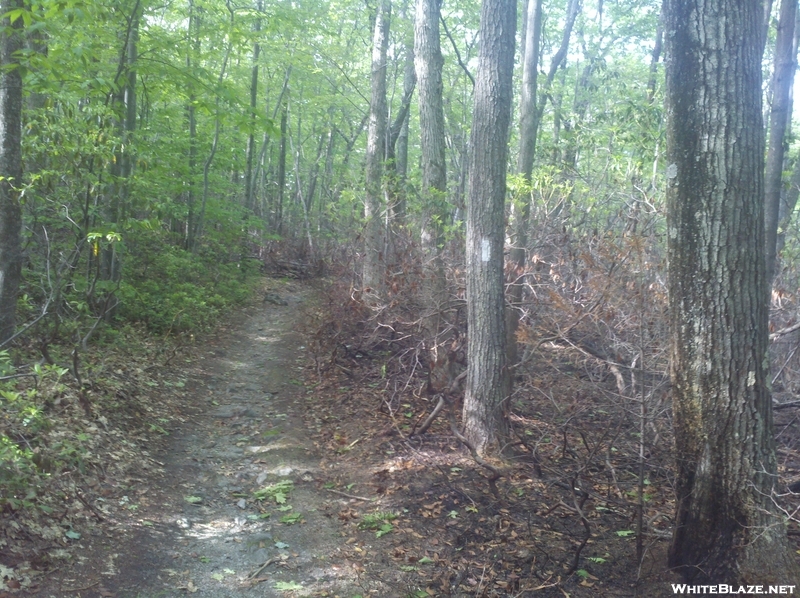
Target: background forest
column 173, row 152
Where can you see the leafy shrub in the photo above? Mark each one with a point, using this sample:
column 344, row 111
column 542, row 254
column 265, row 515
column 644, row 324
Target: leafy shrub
column 175, row 290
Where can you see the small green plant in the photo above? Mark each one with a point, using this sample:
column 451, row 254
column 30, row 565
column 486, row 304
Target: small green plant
column 379, row 522
column 625, row 533
column 291, row 518
column 279, row 492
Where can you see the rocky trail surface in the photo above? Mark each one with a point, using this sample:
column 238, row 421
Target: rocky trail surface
column 237, row 505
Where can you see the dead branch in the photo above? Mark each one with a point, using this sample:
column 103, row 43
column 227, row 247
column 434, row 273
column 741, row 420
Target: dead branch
column 496, row 474
column 784, row 331
column 427, row 423
column 451, row 388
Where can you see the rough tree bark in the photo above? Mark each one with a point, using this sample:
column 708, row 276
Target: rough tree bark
column 374, row 259
column 10, row 169
column 727, row 528
column 488, row 382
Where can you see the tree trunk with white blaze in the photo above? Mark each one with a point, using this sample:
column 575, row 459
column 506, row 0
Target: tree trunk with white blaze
column 727, row 529
column 488, row 382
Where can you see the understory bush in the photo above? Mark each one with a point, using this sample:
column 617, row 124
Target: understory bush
column 175, row 290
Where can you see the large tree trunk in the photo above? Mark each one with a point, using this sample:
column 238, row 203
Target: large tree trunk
column 10, row 169
column 782, row 79
column 374, row 258
column 727, row 529
column 485, row 422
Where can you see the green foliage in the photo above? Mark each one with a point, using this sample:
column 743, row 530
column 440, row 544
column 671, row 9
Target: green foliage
column 287, row 586
column 279, row 492
column 171, row 289
column 24, row 458
column 379, row 522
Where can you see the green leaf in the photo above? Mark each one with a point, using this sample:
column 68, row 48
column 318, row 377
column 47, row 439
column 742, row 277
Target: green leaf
column 287, row 586
column 217, row 576
column 291, row 518
column 72, row 535
column 193, row 500
column 624, row 533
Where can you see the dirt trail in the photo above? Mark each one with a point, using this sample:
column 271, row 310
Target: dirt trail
column 200, row 531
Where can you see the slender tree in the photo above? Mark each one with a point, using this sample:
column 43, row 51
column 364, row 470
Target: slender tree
column 249, row 183
column 528, row 131
column 10, row 168
column 727, row 528
column 374, row 258
column 782, row 79
column 485, row 422
column 428, row 63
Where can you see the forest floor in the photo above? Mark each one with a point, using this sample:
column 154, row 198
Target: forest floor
column 266, row 464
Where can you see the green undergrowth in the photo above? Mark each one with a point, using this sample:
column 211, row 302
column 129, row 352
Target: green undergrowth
column 174, row 290
column 77, row 391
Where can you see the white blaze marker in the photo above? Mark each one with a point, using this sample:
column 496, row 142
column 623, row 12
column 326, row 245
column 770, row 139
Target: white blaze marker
column 486, row 250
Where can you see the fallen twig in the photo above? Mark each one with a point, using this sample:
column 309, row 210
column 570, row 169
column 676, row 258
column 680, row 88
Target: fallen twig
column 340, row 493
column 261, row 568
column 776, row 406
column 88, row 506
column 83, row 589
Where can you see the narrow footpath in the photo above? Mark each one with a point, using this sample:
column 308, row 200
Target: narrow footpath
column 237, row 507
